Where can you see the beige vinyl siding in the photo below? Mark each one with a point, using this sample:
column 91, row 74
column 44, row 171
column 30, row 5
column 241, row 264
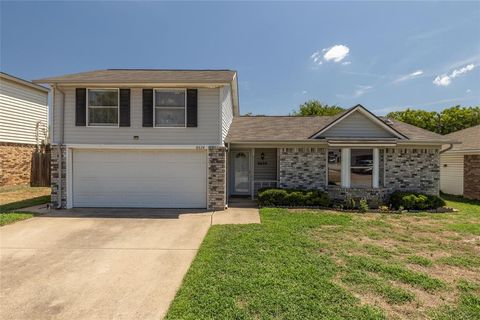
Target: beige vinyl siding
column 21, row 107
column 227, row 110
column 358, row 126
column 451, row 173
column 266, row 169
column 207, row 132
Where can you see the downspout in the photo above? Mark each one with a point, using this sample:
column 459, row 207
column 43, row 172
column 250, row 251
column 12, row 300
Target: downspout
column 445, row 150
column 59, row 145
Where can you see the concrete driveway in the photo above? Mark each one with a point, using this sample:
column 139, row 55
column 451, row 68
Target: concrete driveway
column 87, row 265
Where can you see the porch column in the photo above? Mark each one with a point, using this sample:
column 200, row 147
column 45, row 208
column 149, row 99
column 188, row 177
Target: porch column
column 252, row 174
column 345, row 172
column 376, row 166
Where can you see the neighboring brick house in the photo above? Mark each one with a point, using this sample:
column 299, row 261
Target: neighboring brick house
column 175, row 138
column 460, row 166
column 23, row 125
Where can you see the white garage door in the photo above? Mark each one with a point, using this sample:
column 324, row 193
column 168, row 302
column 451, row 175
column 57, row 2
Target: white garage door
column 136, row 179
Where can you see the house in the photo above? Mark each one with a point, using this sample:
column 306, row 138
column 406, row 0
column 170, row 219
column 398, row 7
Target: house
column 175, row 138
column 23, row 126
column 460, row 165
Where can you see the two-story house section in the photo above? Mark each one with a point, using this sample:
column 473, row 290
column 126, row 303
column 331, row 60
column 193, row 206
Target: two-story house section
column 141, row 138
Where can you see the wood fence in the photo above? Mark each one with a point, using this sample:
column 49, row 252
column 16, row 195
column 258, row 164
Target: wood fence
column 40, row 170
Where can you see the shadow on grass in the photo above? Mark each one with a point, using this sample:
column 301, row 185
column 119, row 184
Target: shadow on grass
column 451, row 197
column 24, row 203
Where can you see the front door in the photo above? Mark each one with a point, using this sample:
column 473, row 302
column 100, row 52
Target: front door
column 241, row 172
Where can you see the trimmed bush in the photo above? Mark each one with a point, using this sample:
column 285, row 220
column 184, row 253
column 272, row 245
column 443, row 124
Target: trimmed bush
column 414, row 201
column 274, row 197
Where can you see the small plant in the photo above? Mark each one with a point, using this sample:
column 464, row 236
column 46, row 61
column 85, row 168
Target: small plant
column 349, row 202
column 363, row 205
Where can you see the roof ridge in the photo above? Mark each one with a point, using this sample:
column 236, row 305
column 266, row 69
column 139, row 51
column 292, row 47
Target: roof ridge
column 155, row 69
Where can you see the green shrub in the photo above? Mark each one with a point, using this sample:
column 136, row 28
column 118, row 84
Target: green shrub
column 292, row 198
column 414, row 201
column 363, row 205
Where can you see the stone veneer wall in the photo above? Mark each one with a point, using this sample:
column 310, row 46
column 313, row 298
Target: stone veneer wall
column 15, row 163
column 409, row 169
column 217, row 188
column 405, row 169
column 54, row 167
column 471, row 174
column 303, row 168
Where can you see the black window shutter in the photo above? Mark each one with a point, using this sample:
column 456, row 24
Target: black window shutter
column 81, row 107
column 124, row 107
column 148, row 107
column 192, row 107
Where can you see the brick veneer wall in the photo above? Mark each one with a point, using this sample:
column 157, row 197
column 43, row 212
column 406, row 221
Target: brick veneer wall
column 403, row 169
column 471, row 174
column 412, row 170
column 303, row 168
column 217, row 191
column 15, row 163
column 54, row 167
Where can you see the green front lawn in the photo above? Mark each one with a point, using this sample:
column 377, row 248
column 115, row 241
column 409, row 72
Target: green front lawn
column 327, row 265
column 7, row 218
column 14, row 198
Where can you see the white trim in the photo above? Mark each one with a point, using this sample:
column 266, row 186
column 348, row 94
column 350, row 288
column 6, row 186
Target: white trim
column 87, row 124
column 155, row 107
column 139, row 146
column 363, row 145
column 69, row 177
column 364, row 112
column 345, row 165
column 252, row 174
column 376, row 168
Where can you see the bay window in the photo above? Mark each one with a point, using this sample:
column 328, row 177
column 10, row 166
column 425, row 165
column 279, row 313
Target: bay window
column 169, row 107
column 353, row 168
column 102, row 107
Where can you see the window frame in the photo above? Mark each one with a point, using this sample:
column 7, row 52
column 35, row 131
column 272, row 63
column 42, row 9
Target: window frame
column 345, row 164
column 88, row 107
column 155, row 108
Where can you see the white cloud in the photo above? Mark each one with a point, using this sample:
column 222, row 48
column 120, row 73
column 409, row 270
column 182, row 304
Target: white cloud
column 359, row 91
column 346, row 63
column 468, row 90
column 409, row 76
column 336, row 54
column 444, row 80
column 304, row 92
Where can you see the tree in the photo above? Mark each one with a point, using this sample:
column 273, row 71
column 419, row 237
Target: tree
column 316, row 108
column 444, row 122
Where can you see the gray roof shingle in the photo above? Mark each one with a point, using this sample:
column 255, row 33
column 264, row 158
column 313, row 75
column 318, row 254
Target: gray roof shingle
column 470, row 138
column 291, row 128
column 144, row 76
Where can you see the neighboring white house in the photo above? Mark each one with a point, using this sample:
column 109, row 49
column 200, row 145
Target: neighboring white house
column 460, row 166
column 23, row 125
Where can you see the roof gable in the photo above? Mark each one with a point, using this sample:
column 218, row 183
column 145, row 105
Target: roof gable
column 357, row 122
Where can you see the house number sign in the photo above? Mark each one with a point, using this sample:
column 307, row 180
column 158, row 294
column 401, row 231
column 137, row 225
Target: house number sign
column 262, row 161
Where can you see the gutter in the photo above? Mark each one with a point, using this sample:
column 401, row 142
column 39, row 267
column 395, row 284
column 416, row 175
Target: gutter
column 60, row 143
column 445, row 150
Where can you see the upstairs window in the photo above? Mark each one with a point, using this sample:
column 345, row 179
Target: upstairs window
column 169, row 107
column 102, row 107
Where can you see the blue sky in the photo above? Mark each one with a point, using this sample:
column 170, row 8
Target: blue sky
column 386, row 56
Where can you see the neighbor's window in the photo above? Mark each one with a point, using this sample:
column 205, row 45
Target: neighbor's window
column 102, row 107
column 334, row 167
column 170, row 108
column 361, row 168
